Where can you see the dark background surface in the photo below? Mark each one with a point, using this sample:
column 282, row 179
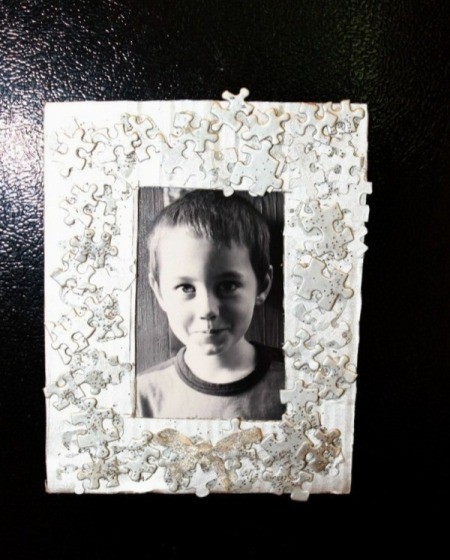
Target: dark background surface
column 391, row 55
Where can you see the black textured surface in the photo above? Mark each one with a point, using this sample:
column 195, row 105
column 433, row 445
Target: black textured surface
column 391, row 55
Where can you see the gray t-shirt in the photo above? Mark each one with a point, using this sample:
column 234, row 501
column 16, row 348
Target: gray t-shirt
column 171, row 390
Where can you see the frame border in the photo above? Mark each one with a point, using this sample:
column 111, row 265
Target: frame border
column 97, row 155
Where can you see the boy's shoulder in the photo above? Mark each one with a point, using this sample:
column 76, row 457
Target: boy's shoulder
column 275, row 354
column 269, row 357
column 158, row 371
column 167, row 364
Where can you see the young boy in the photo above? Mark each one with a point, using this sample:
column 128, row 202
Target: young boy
column 209, row 268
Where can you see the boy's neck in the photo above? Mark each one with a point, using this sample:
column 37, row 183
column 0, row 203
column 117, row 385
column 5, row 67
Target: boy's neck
column 238, row 362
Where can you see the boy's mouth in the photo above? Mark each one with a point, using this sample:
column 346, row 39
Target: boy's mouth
column 211, row 331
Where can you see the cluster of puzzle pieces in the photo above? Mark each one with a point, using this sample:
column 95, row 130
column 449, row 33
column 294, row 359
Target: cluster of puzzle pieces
column 187, row 154
column 308, row 152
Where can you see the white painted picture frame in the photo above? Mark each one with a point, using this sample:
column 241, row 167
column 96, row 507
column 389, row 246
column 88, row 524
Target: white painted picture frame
column 97, row 156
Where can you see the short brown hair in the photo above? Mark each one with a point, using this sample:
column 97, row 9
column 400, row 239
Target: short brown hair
column 223, row 220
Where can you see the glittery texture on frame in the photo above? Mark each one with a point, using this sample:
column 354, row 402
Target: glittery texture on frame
column 97, row 156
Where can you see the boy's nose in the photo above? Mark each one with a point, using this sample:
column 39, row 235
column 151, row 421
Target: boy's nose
column 208, row 306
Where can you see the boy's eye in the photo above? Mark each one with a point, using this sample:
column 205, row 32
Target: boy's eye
column 228, row 287
column 186, row 288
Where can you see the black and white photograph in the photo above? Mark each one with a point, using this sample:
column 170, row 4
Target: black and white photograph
column 209, row 305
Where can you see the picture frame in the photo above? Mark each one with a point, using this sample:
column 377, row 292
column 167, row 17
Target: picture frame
column 97, row 156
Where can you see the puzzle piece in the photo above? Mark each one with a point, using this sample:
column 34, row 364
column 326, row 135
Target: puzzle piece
column 75, row 204
column 300, row 405
column 282, row 480
column 282, row 449
column 99, row 217
column 279, row 479
column 201, row 481
column 72, row 151
column 141, row 125
column 305, row 137
column 73, row 212
column 299, row 396
column 99, row 469
column 329, row 288
column 328, row 221
column 105, row 194
column 304, row 352
column 96, row 435
column 145, row 129
column 65, row 470
column 278, row 155
column 188, row 127
column 260, row 169
column 237, row 445
column 320, row 117
column 332, row 162
column 299, row 495
column 156, row 145
column 245, row 475
column 139, row 458
column 121, row 189
column 295, row 148
column 357, row 247
column 340, row 336
column 306, row 177
column 69, row 440
column 320, row 456
column 217, row 166
column 265, row 125
column 180, row 457
column 328, row 386
column 95, row 369
column 86, row 247
column 115, row 275
column 348, row 117
column 71, row 332
column 305, row 417
column 295, row 434
column 319, row 320
column 75, row 277
column 96, row 380
column 334, row 377
column 64, row 353
column 183, row 163
column 124, row 163
column 324, row 151
column 276, row 449
column 106, row 319
column 354, row 202
column 111, row 138
column 66, row 390
column 227, row 113
column 340, row 175
column 235, row 426
column 85, row 194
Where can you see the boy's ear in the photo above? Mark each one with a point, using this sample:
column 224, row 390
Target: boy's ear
column 265, row 286
column 156, row 290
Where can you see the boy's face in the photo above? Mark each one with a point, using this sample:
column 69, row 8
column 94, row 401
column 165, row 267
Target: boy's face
column 209, row 293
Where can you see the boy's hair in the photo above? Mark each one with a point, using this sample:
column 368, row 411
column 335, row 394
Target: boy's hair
column 223, row 220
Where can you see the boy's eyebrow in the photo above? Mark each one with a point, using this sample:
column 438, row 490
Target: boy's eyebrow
column 181, row 279
column 231, row 274
column 227, row 274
